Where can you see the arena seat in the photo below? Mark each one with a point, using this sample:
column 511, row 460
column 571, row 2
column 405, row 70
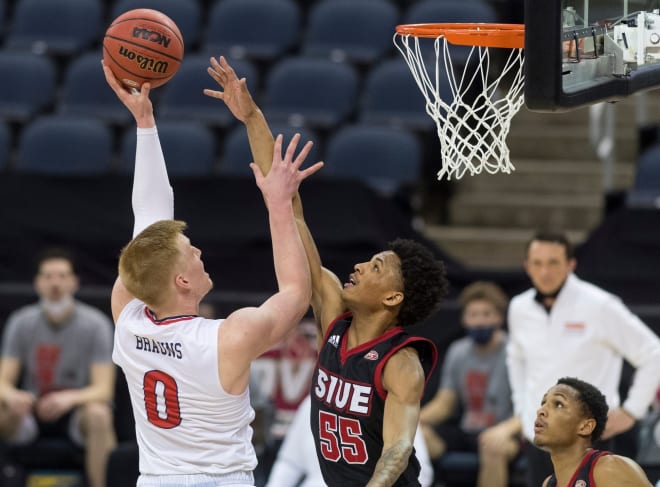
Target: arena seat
column 312, row 92
column 188, row 147
column 28, row 85
column 65, row 146
column 85, row 92
column 77, row 28
column 252, row 29
column 357, row 31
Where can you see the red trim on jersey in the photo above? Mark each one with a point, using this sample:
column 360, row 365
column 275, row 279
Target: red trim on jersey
column 333, row 323
column 345, row 353
column 593, row 465
column 378, row 373
column 168, row 320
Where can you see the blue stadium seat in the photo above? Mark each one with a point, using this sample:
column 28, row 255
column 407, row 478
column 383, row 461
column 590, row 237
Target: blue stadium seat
column 5, row 146
column 28, row 85
column 188, row 147
column 254, row 29
column 58, row 27
column 386, row 159
column 645, row 191
column 236, row 155
column 85, row 92
column 186, row 14
column 391, row 97
column 183, row 98
column 312, row 92
column 355, row 30
column 65, row 146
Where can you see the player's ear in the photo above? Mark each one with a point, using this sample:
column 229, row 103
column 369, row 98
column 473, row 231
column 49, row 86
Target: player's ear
column 181, row 282
column 586, row 427
column 393, row 298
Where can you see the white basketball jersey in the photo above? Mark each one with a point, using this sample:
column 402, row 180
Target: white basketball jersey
column 185, row 422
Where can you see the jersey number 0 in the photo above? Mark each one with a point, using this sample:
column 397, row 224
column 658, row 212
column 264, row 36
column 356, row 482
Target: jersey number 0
column 168, row 395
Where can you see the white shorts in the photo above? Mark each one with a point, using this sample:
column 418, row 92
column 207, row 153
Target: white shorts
column 237, row 479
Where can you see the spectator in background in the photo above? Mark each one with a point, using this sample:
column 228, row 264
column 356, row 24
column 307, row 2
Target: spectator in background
column 572, row 416
column 279, row 382
column 564, row 326
column 297, row 464
column 62, row 348
column 474, row 381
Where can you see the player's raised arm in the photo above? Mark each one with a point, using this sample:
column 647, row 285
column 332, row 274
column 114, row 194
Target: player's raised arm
column 152, row 197
column 326, row 287
column 249, row 332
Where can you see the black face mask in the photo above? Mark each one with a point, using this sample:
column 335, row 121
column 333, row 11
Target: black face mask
column 481, row 335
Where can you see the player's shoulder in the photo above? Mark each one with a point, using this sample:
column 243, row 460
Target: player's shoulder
column 615, row 469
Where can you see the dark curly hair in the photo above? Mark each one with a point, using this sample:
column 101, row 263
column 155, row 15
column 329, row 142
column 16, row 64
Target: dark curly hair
column 424, row 280
column 593, row 403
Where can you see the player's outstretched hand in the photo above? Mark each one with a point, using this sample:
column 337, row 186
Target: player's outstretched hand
column 137, row 102
column 235, row 93
column 282, row 181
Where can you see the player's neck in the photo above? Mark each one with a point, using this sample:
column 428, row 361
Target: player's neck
column 175, row 309
column 566, row 461
column 368, row 326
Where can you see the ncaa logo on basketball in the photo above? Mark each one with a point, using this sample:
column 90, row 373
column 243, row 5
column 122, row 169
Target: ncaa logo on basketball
column 580, row 483
column 152, row 36
column 372, row 355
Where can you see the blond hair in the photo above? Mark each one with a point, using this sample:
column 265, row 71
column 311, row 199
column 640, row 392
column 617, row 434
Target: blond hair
column 148, row 261
column 484, row 291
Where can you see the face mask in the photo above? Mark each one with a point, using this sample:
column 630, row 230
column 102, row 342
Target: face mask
column 481, row 335
column 57, row 309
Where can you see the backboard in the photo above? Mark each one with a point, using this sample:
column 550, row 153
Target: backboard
column 579, row 52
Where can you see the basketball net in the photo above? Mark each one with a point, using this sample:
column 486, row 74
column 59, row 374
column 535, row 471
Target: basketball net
column 473, row 123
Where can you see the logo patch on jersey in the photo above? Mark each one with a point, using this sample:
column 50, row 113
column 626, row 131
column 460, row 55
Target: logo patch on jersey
column 371, row 355
column 580, row 483
column 574, row 326
column 334, row 341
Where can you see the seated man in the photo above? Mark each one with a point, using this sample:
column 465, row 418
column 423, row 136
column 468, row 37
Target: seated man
column 62, row 348
column 474, row 378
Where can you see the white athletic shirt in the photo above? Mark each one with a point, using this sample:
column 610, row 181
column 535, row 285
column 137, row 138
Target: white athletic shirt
column 185, row 422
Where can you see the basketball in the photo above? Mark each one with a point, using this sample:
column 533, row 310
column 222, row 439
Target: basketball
column 143, row 45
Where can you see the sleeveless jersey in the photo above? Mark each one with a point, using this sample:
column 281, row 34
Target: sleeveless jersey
column 584, row 474
column 185, row 422
column 348, row 400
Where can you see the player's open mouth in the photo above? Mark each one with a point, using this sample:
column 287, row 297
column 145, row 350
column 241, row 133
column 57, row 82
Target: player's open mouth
column 351, row 282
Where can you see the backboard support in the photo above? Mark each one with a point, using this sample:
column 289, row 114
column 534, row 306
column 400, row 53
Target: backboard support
column 580, row 52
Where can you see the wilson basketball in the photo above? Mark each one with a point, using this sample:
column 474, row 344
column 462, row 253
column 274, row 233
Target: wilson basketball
column 143, row 45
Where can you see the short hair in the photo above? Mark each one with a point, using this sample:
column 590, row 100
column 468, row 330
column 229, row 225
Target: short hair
column 52, row 253
column 424, row 280
column 558, row 238
column 594, row 404
column 147, row 261
column 484, row 291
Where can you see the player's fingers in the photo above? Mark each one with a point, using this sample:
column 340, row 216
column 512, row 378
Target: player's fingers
column 277, row 149
column 146, row 89
column 305, row 173
column 256, row 170
column 227, row 68
column 291, row 148
column 302, row 155
column 214, row 93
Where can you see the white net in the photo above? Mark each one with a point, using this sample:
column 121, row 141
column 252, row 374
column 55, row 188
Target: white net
column 474, row 118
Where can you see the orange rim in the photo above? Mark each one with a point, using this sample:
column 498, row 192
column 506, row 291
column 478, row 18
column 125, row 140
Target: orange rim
column 510, row 36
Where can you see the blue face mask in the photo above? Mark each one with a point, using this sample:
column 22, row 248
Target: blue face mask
column 481, row 335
